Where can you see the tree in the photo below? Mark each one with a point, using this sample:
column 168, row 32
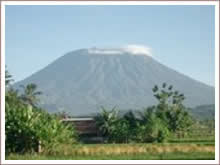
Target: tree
column 106, row 122
column 171, row 109
column 30, row 95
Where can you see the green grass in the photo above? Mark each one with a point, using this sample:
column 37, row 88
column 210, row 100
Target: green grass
column 161, row 156
column 208, row 140
column 192, row 141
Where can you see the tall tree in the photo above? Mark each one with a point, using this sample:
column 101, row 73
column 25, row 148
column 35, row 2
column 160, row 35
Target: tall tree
column 171, row 109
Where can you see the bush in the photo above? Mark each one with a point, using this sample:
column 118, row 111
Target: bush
column 152, row 131
column 151, row 128
column 163, row 134
column 20, row 134
column 26, row 126
column 121, row 132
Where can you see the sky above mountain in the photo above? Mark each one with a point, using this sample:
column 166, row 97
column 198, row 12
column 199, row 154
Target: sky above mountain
column 181, row 37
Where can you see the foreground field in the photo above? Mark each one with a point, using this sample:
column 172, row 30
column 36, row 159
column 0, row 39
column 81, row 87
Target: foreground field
column 165, row 156
column 166, row 151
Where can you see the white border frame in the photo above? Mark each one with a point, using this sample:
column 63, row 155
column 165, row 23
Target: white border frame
column 215, row 3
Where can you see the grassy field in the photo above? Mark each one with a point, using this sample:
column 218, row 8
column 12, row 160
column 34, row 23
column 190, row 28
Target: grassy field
column 203, row 150
column 161, row 156
column 209, row 140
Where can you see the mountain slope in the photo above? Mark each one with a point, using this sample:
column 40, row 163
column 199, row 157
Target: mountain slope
column 80, row 82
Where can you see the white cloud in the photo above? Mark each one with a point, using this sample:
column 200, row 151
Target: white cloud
column 132, row 49
column 137, row 50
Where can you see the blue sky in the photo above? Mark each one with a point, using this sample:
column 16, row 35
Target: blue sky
column 181, row 37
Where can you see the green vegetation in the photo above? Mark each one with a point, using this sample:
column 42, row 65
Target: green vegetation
column 154, row 124
column 162, row 131
column 27, row 127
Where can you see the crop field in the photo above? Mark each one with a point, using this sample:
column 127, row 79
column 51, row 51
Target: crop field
column 151, row 151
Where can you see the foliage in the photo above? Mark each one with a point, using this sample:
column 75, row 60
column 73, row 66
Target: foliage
column 121, row 132
column 19, row 131
column 117, row 129
column 155, row 124
column 128, row 128
column 171, row 110
column 106, row 122
column 27, row 126
column 152, row 128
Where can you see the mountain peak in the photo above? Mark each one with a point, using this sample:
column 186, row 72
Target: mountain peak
column 129, row 49
column 84, row 80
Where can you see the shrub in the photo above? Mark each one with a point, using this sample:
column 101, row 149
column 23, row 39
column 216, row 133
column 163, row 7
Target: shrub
column 26, row 126
column 116, row 129
column 19, row 129
column 154, row 131
column 121, row 132
column 163, row 134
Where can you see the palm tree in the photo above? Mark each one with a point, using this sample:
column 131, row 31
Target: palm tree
column 30, row 94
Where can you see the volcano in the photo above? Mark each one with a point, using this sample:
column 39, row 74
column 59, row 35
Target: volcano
column 82, row 81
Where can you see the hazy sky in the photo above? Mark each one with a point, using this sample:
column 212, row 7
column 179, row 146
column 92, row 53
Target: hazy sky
column 181, row 37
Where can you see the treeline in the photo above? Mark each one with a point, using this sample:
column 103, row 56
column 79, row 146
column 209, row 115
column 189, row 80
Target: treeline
column 155, row 124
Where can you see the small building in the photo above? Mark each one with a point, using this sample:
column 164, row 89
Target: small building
column 86, row 128
column 83, row 125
